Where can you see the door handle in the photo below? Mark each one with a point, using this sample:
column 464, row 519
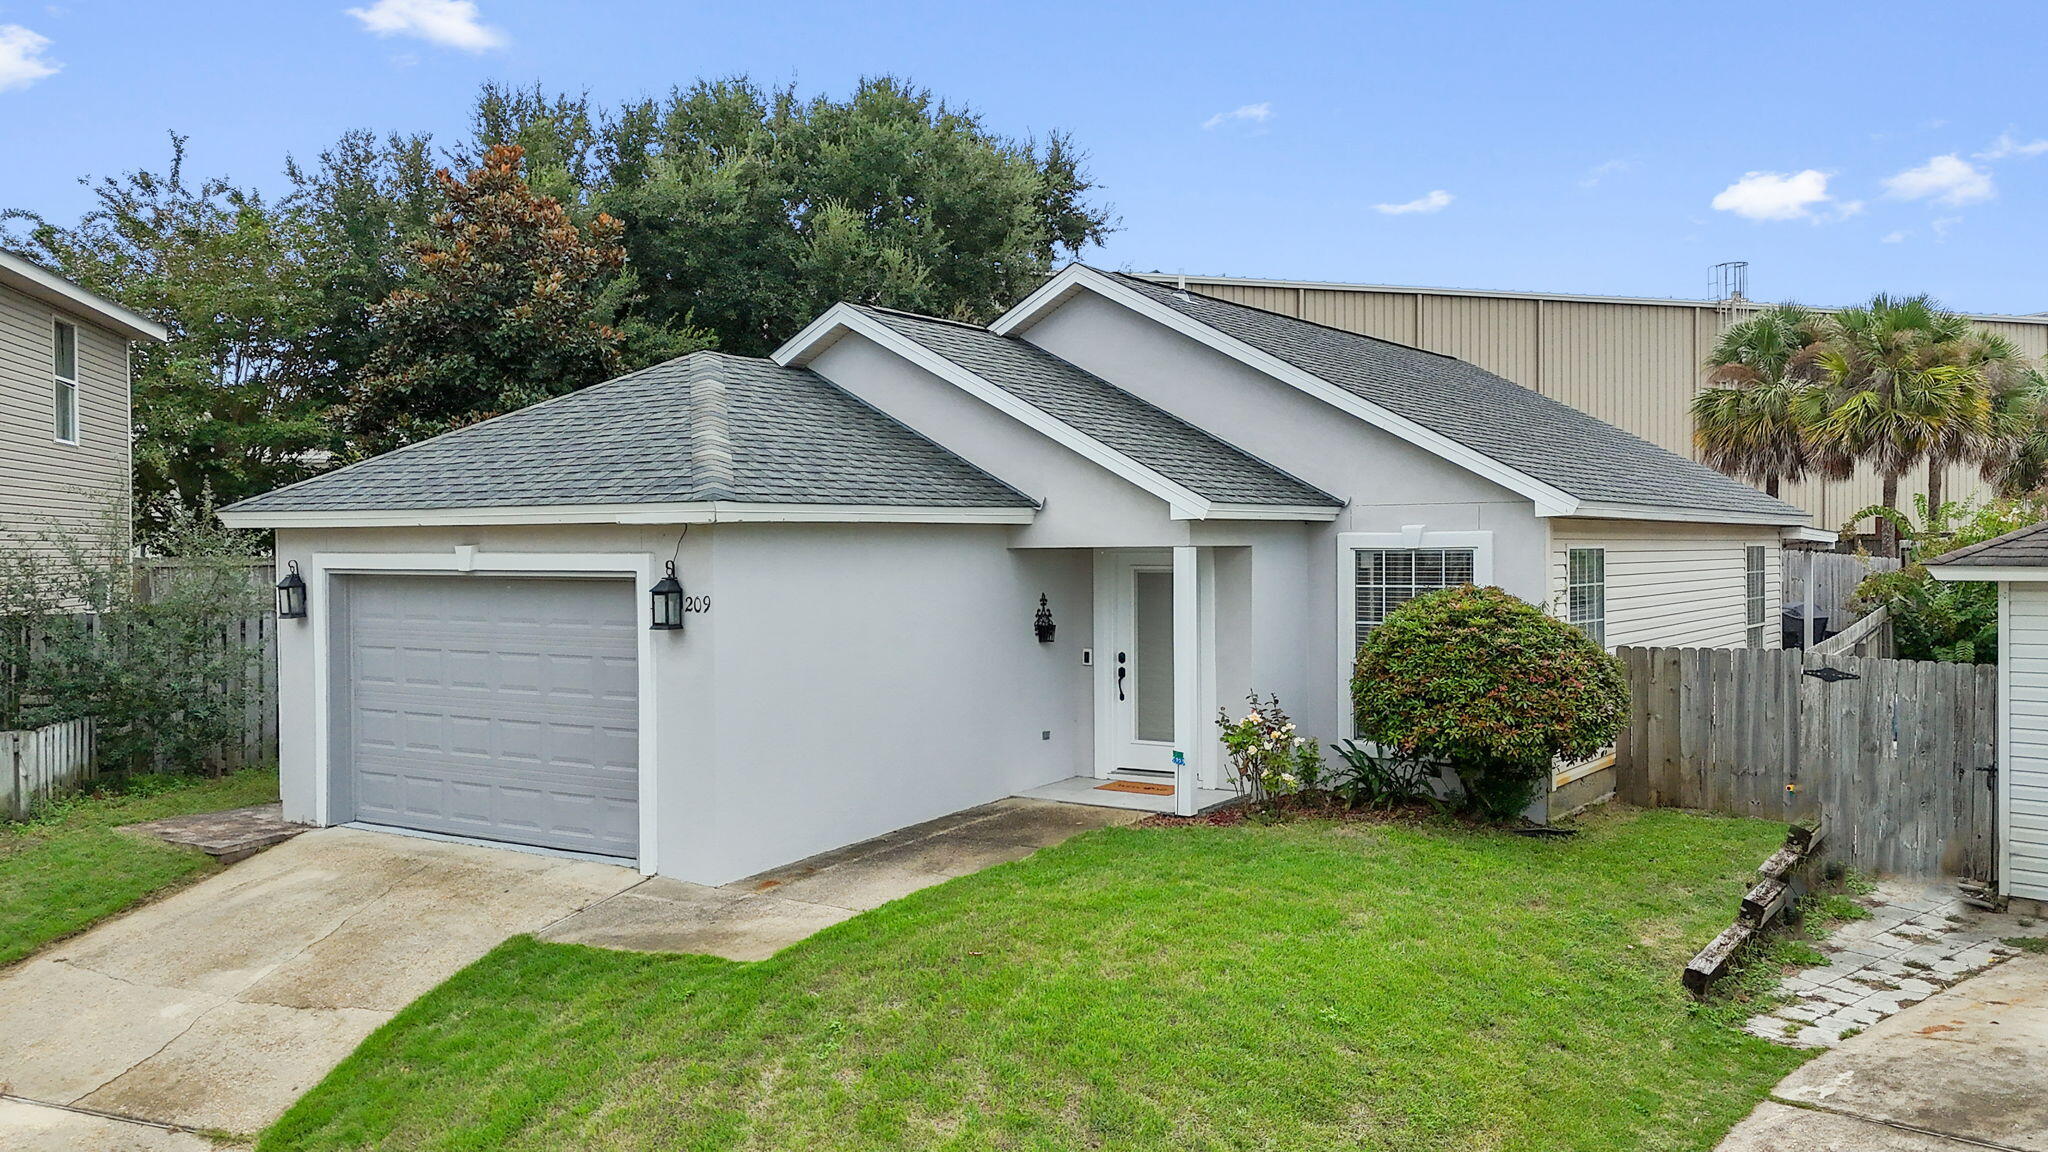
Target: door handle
column 1121, row 672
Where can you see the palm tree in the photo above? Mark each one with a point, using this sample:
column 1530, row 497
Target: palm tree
column 2015, row 458
column 1751, row 420
column 1897, row 394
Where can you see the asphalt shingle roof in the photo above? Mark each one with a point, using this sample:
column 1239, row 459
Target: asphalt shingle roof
column 1529, row 432
column 2021, row 548
column 704, row 427
column 1168, row 445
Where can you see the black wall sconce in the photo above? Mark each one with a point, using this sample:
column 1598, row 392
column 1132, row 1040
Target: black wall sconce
column 291, row 595
column 1042, row 623
column 666, row 601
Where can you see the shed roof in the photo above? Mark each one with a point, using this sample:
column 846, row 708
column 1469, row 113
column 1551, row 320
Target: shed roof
column 2021, row 548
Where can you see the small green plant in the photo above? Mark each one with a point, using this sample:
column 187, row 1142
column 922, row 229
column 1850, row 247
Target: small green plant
column 1370, row 779
column 1268, row 758
column 2037, row 945
column 1491, row 686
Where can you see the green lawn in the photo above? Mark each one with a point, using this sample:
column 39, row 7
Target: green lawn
column 68, row 868
column 1307, row 986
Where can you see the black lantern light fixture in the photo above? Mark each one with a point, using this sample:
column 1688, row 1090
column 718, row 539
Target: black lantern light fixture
column 666, row 601
column 291, row 595
column 1042, row 623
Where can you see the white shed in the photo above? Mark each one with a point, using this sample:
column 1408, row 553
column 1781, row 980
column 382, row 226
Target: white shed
column 2018, row 563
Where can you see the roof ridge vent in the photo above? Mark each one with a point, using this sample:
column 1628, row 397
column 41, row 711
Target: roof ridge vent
column 710, row 432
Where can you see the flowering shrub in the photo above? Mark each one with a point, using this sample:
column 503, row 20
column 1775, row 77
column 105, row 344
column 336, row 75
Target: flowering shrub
column 1267, row 757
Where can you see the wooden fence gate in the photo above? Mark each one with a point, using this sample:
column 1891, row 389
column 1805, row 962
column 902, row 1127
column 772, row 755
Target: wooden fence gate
column 1900, row 753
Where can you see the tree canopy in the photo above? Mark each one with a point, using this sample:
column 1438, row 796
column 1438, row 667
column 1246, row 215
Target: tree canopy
column 322, row 323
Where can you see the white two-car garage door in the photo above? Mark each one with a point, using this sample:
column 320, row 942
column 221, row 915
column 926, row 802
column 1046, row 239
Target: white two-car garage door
column 499, row 708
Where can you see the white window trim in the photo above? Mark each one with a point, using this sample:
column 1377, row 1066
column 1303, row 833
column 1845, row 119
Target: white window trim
column 1410, row 536
column 1757, row 635
column 320, row 568
column 1568, row 586
column 77, row 408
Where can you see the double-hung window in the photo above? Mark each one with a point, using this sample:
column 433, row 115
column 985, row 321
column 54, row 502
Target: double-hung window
column 64, row 387
column 1754, row 595
column 1585, row 591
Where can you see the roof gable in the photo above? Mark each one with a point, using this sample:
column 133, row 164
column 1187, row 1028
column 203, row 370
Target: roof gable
column 705, row 427
column 1567, row 462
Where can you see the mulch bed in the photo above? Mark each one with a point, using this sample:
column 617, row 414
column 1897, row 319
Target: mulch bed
column 1297, row 807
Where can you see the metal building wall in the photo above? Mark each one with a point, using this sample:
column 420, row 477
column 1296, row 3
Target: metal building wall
column 1633, row 363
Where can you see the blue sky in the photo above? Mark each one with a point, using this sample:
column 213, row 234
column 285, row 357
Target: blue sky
column 1600, row 148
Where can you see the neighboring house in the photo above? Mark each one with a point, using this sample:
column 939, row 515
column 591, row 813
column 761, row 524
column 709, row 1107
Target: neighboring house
column 64, row 413
column 1205, row 499
column 1633, row 361
column 2018, row 563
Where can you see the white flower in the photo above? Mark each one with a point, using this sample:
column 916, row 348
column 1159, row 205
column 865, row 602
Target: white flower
column 1298, row 740
column 1253, row 717
column 1290, row 727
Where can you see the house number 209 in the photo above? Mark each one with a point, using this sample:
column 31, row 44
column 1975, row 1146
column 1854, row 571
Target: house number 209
column 696, row 603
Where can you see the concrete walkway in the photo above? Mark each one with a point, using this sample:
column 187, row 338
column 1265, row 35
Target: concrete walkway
column 755, row 918
column 1963, row 1069
column 216, row 1007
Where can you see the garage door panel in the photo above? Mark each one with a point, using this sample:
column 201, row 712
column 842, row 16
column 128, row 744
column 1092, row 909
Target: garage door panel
column 500, row 708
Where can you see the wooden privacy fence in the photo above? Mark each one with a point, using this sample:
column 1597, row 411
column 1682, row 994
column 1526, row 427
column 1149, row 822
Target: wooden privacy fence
column 1831, row 576
column 1899, row 753
column 40, row 761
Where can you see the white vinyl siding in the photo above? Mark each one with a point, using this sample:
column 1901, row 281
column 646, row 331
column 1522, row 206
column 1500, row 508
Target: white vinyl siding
column 2025, row 803
column 1671, row 585
column 44, row 482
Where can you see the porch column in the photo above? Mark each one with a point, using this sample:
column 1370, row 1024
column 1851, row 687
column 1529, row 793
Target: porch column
column 1187, row 671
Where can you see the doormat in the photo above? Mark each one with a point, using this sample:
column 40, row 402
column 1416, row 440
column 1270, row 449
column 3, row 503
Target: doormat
column 1138, row 786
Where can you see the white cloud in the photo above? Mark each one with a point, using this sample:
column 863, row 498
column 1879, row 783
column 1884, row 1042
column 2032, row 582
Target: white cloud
column 1898, row 237
column 1603, row 170
column 1249, row 113
column 452, row 23
column 1942, row 226
column 1775, row 195
column 1436, row 201
column 22, row 62
column 1949, row 180
column 2009, row 145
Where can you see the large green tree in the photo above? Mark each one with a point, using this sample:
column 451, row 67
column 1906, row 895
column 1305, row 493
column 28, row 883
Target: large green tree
column 504, row 307
column 234, row 403
column 749, row 210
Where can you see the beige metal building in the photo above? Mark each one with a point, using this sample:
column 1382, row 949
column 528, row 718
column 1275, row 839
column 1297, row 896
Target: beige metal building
column 1634, row 362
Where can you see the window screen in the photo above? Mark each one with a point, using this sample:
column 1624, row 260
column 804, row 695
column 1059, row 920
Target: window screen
column 1753, row 580
column 1586, row 591
column 1387, row 578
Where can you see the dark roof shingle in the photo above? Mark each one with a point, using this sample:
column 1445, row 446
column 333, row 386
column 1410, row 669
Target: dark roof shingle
column 704, row 427
column 1531, row 433
column 2021, row 548
column 1161, row 441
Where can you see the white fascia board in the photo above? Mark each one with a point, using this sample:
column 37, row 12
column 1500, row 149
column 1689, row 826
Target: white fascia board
column 701, row 512
column 32, row 279
column 1185, row 502
column 1549, row 500
column 1803, row 534
column 1784, row 520
column 1959, row 572
column 1272, row 512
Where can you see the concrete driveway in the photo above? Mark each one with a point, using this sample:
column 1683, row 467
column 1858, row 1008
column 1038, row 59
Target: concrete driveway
column 1961, row 1070
column 217, row 1007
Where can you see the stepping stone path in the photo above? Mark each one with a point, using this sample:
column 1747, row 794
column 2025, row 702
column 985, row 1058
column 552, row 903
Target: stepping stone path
column 235, row 834
column 1919, row 939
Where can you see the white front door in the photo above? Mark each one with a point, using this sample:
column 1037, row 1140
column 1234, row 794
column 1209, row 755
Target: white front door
column 1141, row 667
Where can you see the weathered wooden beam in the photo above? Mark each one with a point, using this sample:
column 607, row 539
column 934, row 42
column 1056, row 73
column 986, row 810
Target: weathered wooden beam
column 1716, row 958
column 1765, row 902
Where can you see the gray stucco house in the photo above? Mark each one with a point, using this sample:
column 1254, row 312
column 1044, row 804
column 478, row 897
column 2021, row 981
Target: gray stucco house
column 1204, row 499
column 64, row 409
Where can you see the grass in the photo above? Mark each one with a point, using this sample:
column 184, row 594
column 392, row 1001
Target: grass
column 67, row 868
column 1295, row 986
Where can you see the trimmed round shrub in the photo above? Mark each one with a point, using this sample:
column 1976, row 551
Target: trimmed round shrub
column 1491, row 685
